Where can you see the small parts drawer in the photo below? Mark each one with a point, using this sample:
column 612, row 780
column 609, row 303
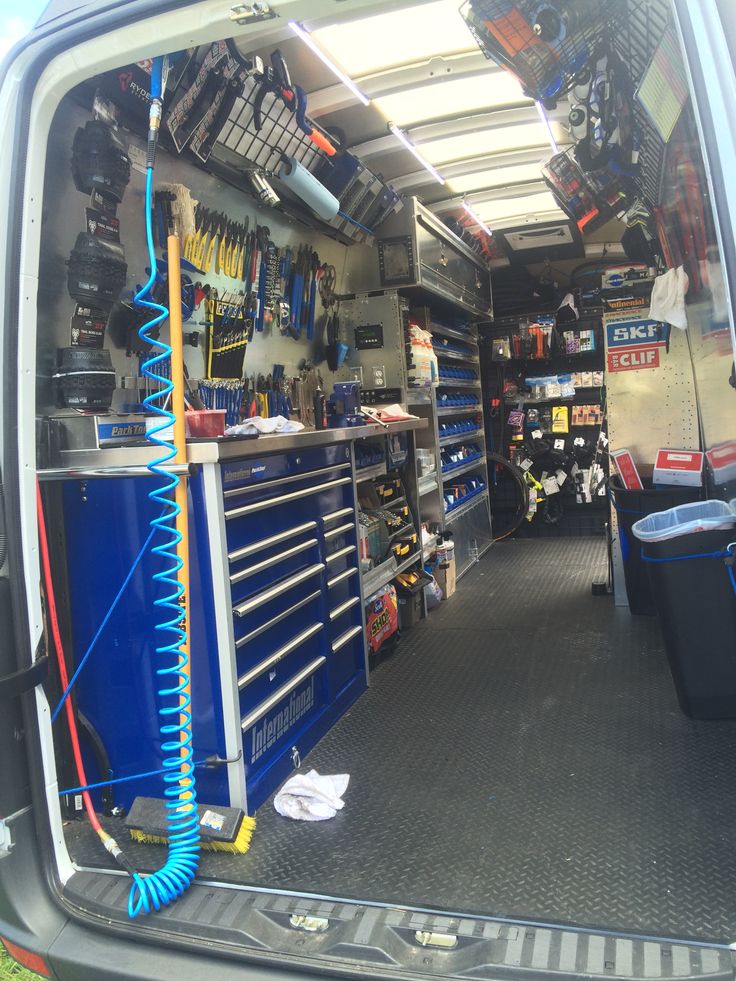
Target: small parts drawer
column 277, row 721
column 341, row 586
column 347, row 653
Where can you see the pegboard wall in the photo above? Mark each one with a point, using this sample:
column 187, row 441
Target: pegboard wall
column 651, row 407
column 64, row 218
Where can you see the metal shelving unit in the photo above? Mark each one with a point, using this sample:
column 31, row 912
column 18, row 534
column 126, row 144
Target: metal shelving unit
column 462, row 509
column 473, row 464
column 425, row 485
column 460, row 437
column 370, row 473
column 459, row 410
column 378, row 577
column 471, row 521
column 459, row 383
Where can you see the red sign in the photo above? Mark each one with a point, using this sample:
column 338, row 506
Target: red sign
column 627, row 470
column 634, row 358
column 689, row 460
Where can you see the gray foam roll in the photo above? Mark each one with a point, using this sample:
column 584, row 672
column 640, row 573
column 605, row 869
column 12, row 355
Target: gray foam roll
column 306, row 186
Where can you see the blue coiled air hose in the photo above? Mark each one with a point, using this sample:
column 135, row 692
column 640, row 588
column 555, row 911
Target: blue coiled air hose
column 166, row 885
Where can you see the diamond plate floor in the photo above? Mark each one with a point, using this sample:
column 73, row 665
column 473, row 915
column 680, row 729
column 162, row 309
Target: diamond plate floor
column 522, row 754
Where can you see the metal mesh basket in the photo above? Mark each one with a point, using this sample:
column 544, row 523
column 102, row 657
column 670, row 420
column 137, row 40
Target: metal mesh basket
column 589, row 198
column 545, row 43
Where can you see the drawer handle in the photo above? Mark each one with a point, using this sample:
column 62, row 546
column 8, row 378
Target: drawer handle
column 344, row 607
column 278, row 655
column 344, row 638
column 336, row 515
column 272, row 502
column 253, row 570
column 258, row 713
column 249, row 488
column 242, row 609
column 340, row 530
column 277, row 619
column 341, row 553
column 246, row 550
column 343, row 575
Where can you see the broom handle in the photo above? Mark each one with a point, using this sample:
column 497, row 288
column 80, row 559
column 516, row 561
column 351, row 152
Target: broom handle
column 180, row 442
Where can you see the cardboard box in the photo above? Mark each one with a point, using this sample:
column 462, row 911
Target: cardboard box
column 627, row 470
column 446, row 579
column 682, row 468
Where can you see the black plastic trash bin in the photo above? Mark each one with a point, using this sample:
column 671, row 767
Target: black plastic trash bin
column 630, row 506
column 696, row 603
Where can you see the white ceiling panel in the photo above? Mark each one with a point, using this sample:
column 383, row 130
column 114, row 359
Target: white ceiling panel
column 373, row 44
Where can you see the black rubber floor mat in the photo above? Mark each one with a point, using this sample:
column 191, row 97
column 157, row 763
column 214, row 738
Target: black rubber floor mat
column 521, row 753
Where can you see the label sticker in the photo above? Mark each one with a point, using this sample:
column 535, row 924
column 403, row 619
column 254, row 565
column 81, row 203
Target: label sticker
column 102, row 225
column 87, row 327
column 526, row 464
column 559, row 444
column 213, row 820
column 536, row 433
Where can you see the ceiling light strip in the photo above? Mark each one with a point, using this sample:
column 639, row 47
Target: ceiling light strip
column 404, row 139
column 548, row 128
column 477, row 219
column 302, row 33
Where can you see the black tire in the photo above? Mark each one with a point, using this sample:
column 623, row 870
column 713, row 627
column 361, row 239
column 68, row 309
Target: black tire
column 517, row 476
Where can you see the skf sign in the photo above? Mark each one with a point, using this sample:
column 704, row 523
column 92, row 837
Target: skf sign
column 634, row 344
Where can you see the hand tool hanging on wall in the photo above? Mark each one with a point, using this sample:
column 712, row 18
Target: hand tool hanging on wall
column 276, row 80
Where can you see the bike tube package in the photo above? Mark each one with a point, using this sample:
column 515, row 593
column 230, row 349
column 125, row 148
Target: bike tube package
column 630, row 506
column 695, row 599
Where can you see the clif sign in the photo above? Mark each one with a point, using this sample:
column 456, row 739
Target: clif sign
column 634, row 358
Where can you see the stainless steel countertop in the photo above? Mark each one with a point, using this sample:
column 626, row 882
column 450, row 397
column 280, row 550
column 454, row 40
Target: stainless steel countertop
column 132, row 460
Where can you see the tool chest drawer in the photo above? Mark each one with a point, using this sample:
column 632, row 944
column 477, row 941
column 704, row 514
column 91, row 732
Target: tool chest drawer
column 279, row 721
column 271, row 625
column 250, row 581
column 263, row 668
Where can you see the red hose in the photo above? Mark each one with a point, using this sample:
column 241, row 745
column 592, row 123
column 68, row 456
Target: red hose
column 63, row 674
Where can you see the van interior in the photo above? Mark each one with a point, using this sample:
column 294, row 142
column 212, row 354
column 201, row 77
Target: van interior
column 450, row 279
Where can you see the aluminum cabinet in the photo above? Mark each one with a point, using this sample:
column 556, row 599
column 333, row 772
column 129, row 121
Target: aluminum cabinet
column 275, row 616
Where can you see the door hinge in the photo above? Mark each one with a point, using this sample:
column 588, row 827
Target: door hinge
column 12, row 685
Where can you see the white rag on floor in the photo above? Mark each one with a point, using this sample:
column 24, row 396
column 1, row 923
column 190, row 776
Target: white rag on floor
column 311, row 796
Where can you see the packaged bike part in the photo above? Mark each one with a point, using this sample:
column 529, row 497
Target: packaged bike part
column 87, row 327
column 96, row 271
column 86, row 378
column 100, row 161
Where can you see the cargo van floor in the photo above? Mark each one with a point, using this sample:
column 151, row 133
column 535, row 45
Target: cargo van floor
column 521, row 753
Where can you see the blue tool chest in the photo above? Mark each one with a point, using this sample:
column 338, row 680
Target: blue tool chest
column 275, row 617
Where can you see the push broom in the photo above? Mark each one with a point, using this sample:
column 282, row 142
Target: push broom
column 226, row 829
